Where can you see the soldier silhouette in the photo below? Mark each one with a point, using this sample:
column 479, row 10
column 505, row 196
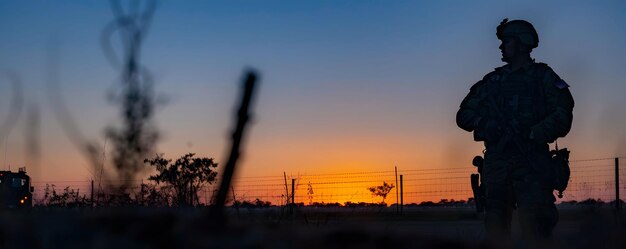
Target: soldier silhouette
column 517, row 110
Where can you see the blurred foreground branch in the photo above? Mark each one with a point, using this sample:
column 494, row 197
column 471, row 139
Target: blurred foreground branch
column 138, row 135
column 15, row 106
column 243, row 117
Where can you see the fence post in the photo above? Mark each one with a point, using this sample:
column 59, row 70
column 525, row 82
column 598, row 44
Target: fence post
column 235, row 200
column 401, row 196
column 286, row 189
column 617, row 199
column 232, row 189
column 92, row 192
column 293, row 194
column 397, row 196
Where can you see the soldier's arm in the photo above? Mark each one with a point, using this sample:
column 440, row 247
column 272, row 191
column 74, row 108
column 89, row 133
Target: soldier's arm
column 559, row 106
column 468, row 116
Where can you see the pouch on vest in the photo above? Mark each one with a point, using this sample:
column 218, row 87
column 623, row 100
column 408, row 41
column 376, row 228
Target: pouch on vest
column 560, row 165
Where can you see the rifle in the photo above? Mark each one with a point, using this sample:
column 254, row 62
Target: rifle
column 510, row 128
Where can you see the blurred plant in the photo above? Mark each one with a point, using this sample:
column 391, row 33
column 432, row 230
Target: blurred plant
column 186, row 176
column 382, row 190
column 14, row 108
column 138, row 135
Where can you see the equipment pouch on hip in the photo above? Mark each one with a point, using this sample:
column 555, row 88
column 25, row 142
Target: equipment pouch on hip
column 560, row 165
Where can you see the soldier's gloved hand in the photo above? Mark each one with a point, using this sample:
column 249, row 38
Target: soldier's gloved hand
column 489, row 129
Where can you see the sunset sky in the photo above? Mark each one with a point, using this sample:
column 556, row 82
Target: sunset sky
column 346, row 86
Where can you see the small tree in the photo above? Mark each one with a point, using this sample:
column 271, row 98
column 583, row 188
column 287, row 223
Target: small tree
column 382, row 190
column 186, row 176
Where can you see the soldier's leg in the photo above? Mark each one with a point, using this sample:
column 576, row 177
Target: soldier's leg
column 499, row 200
column 498, row 210
column 535, row 203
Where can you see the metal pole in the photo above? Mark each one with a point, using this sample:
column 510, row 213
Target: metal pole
column 617, row 199
column 397, row 196
column 401, row 196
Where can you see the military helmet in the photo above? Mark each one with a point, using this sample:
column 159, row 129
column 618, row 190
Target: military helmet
column 520, row 29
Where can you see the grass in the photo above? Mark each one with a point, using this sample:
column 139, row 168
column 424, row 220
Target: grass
column 275, row 227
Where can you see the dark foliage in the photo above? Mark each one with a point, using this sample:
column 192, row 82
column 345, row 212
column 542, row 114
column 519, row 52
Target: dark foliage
column 322, row 204
column 363, row 204
column 186, row 176
column 258, row 203
column 67, row 198
column 153, row 195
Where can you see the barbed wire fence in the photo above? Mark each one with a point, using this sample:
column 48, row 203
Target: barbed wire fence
column 591, row 179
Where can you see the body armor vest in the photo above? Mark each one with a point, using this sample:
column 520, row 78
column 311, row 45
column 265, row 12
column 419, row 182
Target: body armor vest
column 519, row 96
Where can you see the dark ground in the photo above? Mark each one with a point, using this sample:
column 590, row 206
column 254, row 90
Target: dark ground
column 309, row 227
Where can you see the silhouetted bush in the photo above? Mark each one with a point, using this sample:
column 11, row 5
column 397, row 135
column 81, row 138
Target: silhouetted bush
column 258, row 203
column 185, row 177
column 68, row 198
column 363, row 204
column 322, row 204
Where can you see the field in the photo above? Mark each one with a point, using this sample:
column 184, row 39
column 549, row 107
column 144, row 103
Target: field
column 277, row 227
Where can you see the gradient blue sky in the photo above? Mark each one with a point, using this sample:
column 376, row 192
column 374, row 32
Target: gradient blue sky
column 346, row 85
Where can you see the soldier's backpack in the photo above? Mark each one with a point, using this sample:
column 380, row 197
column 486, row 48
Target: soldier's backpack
column 561, row 170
